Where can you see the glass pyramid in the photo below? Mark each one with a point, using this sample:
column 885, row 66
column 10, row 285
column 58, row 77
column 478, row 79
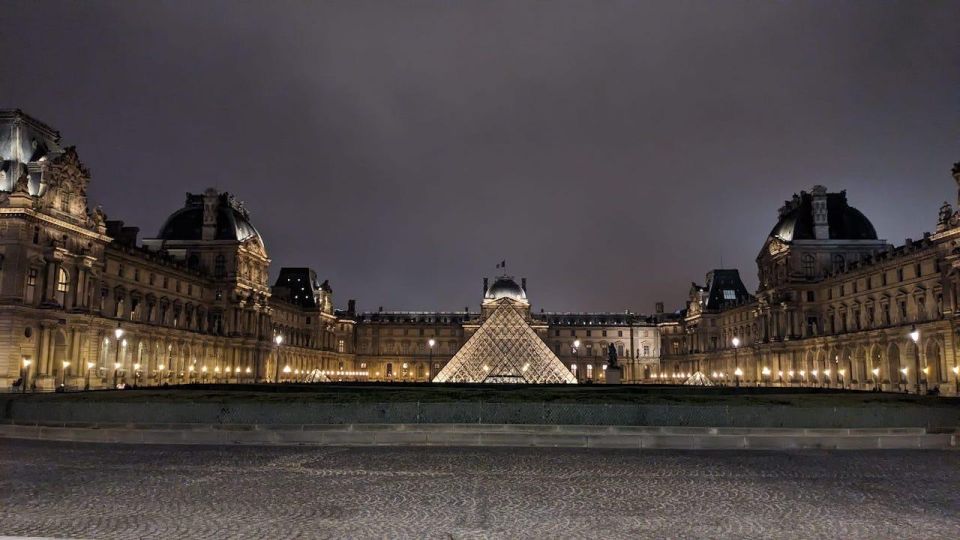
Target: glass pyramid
column 505, row 349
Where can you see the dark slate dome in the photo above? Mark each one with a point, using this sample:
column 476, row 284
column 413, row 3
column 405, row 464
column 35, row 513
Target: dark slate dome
column 233, row 222
column 845, row 222
column 505, row 287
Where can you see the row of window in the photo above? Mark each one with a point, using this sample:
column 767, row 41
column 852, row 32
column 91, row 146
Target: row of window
column 152, row 280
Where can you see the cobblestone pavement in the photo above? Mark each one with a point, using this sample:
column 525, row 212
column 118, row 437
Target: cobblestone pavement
column 101, row 491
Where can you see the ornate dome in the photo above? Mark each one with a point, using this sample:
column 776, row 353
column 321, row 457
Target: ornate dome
column 232, row 220
column 505, row 287
column 845, row 222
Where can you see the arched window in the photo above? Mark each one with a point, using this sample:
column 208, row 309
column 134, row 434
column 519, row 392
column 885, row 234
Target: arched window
column 589, row 371
column 63, row 281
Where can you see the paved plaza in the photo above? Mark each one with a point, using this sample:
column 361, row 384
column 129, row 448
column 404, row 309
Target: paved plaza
column 116, row 491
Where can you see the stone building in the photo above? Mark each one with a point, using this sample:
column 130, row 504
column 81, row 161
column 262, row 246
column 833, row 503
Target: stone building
column 85, row 303
column 836, row 306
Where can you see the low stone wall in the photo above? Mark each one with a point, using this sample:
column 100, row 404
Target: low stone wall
column 25, row 411
column 623, row 437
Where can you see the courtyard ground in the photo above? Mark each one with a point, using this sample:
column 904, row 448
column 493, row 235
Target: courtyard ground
column 104, row 491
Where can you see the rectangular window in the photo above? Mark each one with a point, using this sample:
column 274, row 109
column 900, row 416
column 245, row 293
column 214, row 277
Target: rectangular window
column 729, row 294
column 32, row 277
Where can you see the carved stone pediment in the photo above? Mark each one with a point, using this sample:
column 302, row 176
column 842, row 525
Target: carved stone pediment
column 776, row 246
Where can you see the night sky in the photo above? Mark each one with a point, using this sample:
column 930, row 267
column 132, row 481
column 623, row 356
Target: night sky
column 611, row 152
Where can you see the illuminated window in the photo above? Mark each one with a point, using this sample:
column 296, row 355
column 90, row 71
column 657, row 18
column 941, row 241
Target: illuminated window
column 63, row 281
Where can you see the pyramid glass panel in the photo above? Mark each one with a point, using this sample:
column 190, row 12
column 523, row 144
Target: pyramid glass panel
column 505, row 349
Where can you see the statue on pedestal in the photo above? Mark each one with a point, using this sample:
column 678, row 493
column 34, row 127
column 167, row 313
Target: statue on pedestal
column 613, row 371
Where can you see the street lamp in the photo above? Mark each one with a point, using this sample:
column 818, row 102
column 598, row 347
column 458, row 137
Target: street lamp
column 136, row 374
column 956, row 379
column 915, row 336
column 905, row 378
column 286, row 371
column 431, row 342
column 842, row 375
column 236, row 372
column 63, row 373
column 766, row 373
column 790, row 374
column 736, row 359
column 26, row 374
column 118, row 332
column 86, row 384
column 278, row 339
column 876, row 378
column 576, row 348
column 780, row 376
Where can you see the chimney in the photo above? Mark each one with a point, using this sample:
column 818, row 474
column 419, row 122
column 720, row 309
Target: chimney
column 658, row 307
column 821, row 222
column 956, row 176
column 485, row 287
column 351, row 306
column 380, row 309
column 210, row 204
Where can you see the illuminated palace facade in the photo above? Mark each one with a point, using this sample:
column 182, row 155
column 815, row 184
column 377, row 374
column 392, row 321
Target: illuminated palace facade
column 85, row 303
column 836, row 306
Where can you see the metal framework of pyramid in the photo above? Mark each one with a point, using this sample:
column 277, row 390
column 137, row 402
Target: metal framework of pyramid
column 698, row 379
column 505, row 349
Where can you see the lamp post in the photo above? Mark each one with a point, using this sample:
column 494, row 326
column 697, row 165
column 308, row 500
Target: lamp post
column 915, row 336
column 236, row 373
column 63, row 374
column 736, row 359
column 780, row 376
column 956, row 379
column 904, row 379
column 766, row 374
column 431, row 342
column 26, row 374
column 86, row 383
column 278, row 339
column 286, row 371
column 576, row 349
column 118, row 332
column 136, row 374
column 876, row 378
column 841, row 373
column 790, row 375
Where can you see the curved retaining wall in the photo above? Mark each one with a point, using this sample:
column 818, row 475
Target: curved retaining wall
column 26, row 411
